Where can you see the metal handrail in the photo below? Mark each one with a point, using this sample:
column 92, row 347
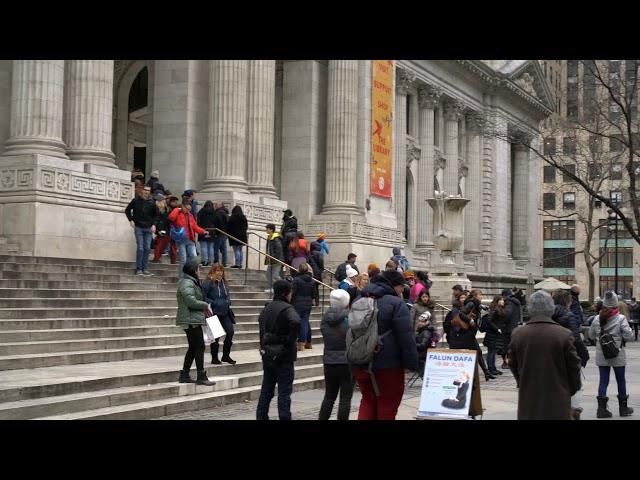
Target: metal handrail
column 267, row 255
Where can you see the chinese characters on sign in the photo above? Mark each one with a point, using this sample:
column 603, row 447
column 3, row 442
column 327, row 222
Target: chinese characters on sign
column 382, row 127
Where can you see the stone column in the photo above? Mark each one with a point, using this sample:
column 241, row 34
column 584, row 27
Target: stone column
column 260, row 127
column 342, row 138
column 452, row 113
column 37, row 94
column 88, row 116
column 404, row 79
column 428, row 97
column 520, row 218
column 226, row 159
column 473, row 212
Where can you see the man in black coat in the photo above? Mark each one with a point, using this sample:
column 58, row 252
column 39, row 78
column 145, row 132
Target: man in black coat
column 289, row 228
column 219, row 240
column 142, row 213
column 341, row 271
column 279, row 327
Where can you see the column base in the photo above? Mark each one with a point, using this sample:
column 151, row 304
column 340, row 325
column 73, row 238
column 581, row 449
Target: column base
column 226, row 185
column 265, row 191
column 94, row 157
column 35, row 146
column 341, row 209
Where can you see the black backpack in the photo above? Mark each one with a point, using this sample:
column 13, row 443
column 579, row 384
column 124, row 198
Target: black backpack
column 608, row 345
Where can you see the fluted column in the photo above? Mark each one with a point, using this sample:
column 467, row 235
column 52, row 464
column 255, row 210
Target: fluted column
column 452, row 114
column 37, row 95
column 88, row 112
column 404, row 79
column 226, row 159
column 473, row 215
column 342, row 137
column 260, row 127
column 428, row 97
column 520, row 218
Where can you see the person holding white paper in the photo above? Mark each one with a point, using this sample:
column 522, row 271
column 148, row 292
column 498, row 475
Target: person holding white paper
column 192, row 312
column 216, row 294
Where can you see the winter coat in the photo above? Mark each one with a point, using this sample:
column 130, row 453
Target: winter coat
column 155, row 186
column 634, row 312
column 237, row 226
column 316, row 260
column 216, row 294
column 220, row 220
column 281, row 319
column 418, row 309
column 416, row 291
column 423, row 340
column 402, row 262
column 460, row 338
column 274, row 248
column 186, row 221
column 576, row 308
column 398, row 348
column 289, row 225
column 324, row 247
column 191, row 304
column 546, row 367
column 162, row 222
column 206, row 219
column 513, row 308
column 333, row 327
column 494, row 337
column 142, row 212
column 303, row 291
column 341, row 271
column 619, row 328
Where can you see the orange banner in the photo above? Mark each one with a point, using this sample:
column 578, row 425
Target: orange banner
column 382, row 127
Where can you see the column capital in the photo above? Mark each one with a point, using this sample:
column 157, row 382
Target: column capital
column 429, row 96
column 521, row 140
column 404, row 80
column 453, row 109
column 475, row 122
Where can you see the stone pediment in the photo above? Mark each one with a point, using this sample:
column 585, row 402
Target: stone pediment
column 529, row 78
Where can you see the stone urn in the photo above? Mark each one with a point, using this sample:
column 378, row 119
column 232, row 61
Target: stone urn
column 447, row 218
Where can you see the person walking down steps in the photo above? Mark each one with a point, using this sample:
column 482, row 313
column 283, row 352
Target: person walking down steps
column 216, row 294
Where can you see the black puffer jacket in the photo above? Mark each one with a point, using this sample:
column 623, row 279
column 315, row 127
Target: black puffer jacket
column 334, row 328
column 289, row 225
column 303, row 292
column 206, row 220
column 462, row 339
column 514, row 313
column 493, row 339
column 565, row 317
column 316, row 260
column 280, row 319
column 237, row 227
column 220, row 220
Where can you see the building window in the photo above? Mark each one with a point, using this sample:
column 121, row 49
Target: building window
column 625, row 256
column 571, row 168
column 605, row 233
column 615, row 197
column 616, row 171
column 572, row 88
column 549, row 201
column 569, row 201
column 614, row 84
column 549, row 174
column 559, row 229
column 625, row 285
column 595, row 144
column 549, row 146
column 597, row 203
column 615, row 144
column 589, row 90
column 595, row 171
column 569, row 146
column 631, row 67
column 568, row 279
column 559, row 258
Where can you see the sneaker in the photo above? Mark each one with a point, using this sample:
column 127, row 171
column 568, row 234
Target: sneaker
column 147, row 273
column 139, row 272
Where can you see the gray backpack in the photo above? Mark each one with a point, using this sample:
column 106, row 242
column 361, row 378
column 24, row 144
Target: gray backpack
column 363, row 341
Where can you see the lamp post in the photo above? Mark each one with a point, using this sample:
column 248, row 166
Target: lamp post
column 613, row 225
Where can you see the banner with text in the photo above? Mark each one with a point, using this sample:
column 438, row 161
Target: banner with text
column 382, row 127
column 447, row 383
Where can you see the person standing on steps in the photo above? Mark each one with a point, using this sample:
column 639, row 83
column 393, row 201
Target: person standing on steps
column 163, row 227
column 611, row 323
column 303, row 292
column 289, row 229
column 155, row 185
column 279, row 326
column 216, row 294
column 192, row 312
column 190, row 196
column 324, row 246
column 183, row 219
column 274, row 249
column 221, row 220
column 206, row 219
column 341, row 271
column 544, row 364
column 237, row 227
column 316, row 260
column 337, row 374
column 142, row 213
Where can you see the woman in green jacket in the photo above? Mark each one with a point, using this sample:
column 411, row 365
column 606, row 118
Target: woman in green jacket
column 192, row 311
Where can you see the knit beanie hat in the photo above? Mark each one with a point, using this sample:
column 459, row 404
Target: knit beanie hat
column 611, row 299
column 394, row 278
column 155, row 174
column 339, row 298
column 281, row 288
column 541, row 303
column 351, row 272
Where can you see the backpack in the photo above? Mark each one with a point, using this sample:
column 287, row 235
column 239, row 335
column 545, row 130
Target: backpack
column 608, row 345
column 362, row 340
column 177, row 234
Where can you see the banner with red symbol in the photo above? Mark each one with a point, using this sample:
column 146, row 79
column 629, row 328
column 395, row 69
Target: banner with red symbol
column 382, row 127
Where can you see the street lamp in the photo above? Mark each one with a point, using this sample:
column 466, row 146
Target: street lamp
column 612, row 225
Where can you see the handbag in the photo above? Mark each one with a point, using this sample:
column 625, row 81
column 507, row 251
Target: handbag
column 216, row 327
column 608, row 345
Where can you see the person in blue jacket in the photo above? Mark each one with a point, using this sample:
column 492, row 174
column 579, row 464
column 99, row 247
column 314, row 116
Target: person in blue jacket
column 216, row 293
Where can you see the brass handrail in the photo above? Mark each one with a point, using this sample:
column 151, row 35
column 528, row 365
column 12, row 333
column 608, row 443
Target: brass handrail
column 443, row 307
column 268, row 256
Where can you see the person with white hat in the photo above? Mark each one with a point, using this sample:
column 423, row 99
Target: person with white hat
column 349, row 283
column 609, row 325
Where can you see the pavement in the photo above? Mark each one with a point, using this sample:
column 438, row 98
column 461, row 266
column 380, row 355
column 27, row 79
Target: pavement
column 499, row 398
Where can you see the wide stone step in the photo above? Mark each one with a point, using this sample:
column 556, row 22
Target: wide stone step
column 168, row 301
column 140, row 284
column 170, row 406
column 12, row 362
column 110, row 321
column 237, row 293
column 16, row 385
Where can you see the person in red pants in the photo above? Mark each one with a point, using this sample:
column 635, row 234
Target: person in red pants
column 163, row 227
column 397, row 353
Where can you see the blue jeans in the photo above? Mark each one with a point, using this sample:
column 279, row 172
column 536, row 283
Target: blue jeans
column 305, row 328
column 491, row 359
column 186, row 251
column 220, row 246
column 143, row 244
column 282, row 375
column 206, row 250
column 237, row 253
column 604, row 381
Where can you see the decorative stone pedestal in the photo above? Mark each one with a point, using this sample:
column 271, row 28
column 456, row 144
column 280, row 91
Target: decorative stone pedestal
column 54, row 207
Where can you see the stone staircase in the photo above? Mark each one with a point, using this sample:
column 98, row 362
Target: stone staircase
column 89, row 339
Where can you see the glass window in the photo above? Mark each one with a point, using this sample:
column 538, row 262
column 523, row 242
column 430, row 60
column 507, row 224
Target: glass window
column 569, row 146
column 594, row 171
column 571, row 167
column 559, row 229
column 549, row 201
column 615, row 197
column 589, row 90
column 572, row 88
column 559, row 258
column 549, row 174
column 625, row 285
column 615, row 144
column 631, row 68
column 595, row 144
column 549, row 146
column 616, row 171
column 625, row 256
column 569, row 201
